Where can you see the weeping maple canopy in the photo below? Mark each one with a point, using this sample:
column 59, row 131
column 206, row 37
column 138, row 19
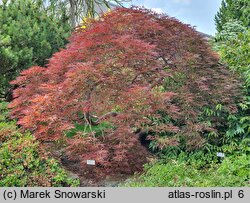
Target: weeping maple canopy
column 130, row 67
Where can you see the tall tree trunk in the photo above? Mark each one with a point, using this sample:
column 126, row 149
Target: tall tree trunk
column 73, row 5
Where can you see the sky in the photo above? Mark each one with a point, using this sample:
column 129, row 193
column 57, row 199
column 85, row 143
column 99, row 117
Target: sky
column 198, row 13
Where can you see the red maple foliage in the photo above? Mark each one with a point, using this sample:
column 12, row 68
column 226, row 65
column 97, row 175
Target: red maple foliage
column 127, row 67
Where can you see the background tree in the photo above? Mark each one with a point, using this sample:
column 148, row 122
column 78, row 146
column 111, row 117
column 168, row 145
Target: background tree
column 29, row 35
column 233, row 10
column 232, row 44
column 78, row 9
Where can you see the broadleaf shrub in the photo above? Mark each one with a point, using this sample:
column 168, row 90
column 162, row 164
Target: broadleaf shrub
column 23, row 163
column 143, row 73
column 232, row 44
column 232, row 172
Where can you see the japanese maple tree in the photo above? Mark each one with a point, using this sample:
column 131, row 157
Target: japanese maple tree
column 129, row 68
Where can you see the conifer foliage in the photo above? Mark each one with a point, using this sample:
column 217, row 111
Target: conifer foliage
column 134, row 69
column 29, row 34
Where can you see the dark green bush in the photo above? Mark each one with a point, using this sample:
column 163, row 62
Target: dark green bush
column 29, row 35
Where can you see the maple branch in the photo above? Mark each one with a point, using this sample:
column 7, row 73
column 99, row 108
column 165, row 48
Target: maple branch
column 157, row 82
column 106, row 115
column 134, row 79
column 167, row 63
column 88, row 118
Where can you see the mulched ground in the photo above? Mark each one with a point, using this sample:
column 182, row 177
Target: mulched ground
column 74, row 170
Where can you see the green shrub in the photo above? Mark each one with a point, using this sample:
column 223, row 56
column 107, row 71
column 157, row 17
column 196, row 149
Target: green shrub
column 232, row 172
column 22, row 161
column 232, row 44
column 3, row 111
